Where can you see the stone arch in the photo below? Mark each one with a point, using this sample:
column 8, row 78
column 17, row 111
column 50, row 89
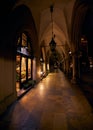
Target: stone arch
column 21, row 20
column 79, row 12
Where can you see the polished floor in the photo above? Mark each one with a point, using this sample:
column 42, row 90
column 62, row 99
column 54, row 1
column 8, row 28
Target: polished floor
column 53, row 104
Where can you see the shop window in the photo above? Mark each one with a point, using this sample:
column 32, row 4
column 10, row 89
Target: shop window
column 18, row 70
column 24, row 40
column 23, row 61
column 23, row 69
column 18, row 67
column 29, row 68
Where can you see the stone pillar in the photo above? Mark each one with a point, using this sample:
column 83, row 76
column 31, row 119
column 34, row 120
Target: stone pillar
column 75, row 71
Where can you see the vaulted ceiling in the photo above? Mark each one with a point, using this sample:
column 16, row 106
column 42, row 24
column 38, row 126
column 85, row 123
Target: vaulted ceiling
column 62, row 14
column 69, row 17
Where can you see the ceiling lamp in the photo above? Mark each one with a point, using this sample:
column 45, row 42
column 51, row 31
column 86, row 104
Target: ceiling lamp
column 52, row 43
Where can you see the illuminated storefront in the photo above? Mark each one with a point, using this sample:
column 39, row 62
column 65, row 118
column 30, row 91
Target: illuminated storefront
column 23, row 61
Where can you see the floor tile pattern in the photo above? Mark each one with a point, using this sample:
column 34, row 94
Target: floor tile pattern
column 53, row 104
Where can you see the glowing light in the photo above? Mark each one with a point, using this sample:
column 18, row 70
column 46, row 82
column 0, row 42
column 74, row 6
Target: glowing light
column 47, row 66
column 82, row 39
column 69, row 52
column 41, row 72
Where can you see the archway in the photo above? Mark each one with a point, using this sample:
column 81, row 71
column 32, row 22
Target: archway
column 23, row 31
column 79, row 13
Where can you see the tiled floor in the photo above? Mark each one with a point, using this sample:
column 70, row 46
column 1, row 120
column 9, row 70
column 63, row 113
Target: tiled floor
column 53, row 104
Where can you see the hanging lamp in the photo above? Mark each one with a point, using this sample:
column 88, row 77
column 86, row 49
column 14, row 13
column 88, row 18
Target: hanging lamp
column 52, row 43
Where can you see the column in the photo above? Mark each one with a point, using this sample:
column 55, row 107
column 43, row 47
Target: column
column 75, row 71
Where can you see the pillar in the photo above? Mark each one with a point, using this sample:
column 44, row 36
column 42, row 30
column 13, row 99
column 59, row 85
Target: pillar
column 75, row 71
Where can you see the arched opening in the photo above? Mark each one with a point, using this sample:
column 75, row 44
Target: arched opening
column 24, row 60
column 87, row 32
column 79, row 39
column 23, row 31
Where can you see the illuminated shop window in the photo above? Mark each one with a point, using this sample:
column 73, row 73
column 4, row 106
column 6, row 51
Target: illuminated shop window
column 23, row 61
column 23, row 69
column 24, row 40
column 29, row 68
column 18, row 67
column 18, row 76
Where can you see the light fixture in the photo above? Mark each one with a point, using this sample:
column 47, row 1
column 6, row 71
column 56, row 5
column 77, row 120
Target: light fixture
column 41, row 60
column 70, row 52
column 52, row 43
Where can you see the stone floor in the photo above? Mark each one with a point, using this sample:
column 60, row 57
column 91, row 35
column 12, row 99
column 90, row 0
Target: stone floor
column 53, row 104
column 87, row 86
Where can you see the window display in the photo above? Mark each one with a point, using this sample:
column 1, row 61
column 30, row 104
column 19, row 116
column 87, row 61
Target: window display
column 18, row 59
column 23, row 69
column 23, row 61
column 24, row 40
column 29, row 68
column 18, row 67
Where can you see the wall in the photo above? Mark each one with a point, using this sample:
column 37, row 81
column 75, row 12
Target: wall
column 17, row 21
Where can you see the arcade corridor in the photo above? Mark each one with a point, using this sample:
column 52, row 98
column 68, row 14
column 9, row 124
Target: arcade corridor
column 53, row 104
column 37, row 37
